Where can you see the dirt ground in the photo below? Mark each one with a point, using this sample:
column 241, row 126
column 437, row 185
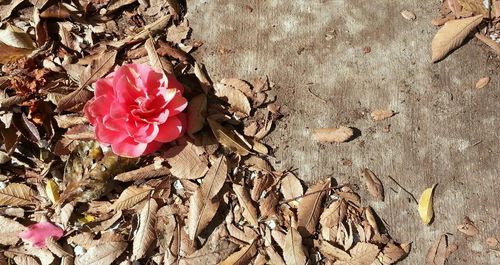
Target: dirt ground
column 445, row 132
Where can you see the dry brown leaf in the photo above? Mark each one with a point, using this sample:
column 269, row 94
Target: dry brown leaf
column 452, row 35
column 177, row 34
column 246, row 203
column 215, row 178
column 238, row 84
column 437, row 254
column 337, row 135
column 22, row 259
column 228, row 138
column 372, row 221
column 474, row 6
column 117, row 4
column 408, row 15
column 391, row 254
column 210, row 253
column 293, row 250
column 488, row 41
column 491, row 242
column 201, row 212
column 103, row 254
column 334, row 214
column 235, row 98
column 247, row 235
column 242, row 256
column 131, row 196
column 361, row 254
column 57, row 10
column 274, row 257
column 332, row 252
column 150, row 171
column 373, row 184
column 44, row 255
column 378, row 115
column 15, row 37
column 291, row 187
column 310, row 208
column 8, row 7
column 268, row 205
column 468, row 227
column 158, row 63
column 16, row 194
column 146, row 233
column 57, row 249
column 186, row 161
column 196, row 112
column 202, row 76
column 482, row 82
column 10, row 230
column 10, row 54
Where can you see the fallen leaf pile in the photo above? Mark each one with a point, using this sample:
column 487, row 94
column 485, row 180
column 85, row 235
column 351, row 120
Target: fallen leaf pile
column 460, row 19
column 211, row 197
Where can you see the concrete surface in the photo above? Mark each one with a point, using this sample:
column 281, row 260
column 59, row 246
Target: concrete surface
column 445, row 131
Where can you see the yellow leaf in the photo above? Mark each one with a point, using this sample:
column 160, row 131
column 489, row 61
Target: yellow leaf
column 52, row 191
column 87, row 219
column 425, row 208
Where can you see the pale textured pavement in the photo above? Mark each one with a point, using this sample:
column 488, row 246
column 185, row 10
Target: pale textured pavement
column 445, row 131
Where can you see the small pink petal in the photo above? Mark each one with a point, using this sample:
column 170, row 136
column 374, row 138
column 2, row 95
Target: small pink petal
column 107, row 136
column 177, row 104
column 171, row 129
column 36, row 234
column 104, row 87
column 129, row 148
column 152, row 147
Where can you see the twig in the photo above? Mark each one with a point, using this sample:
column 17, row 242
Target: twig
column 316, row 96
column 405, row 190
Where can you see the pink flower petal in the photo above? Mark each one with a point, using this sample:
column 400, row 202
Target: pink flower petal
column 129, row 148
column 98, row 107
column 174, row 83
column 36, row 234
column 104, row 87
column 171, row 129
column 147, row 133
column 177, row 104
column 107, row 136
column 152, row 147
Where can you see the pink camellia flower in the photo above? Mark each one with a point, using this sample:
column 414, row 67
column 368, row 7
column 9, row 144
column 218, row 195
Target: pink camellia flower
column 36, row 234
column 136, row 109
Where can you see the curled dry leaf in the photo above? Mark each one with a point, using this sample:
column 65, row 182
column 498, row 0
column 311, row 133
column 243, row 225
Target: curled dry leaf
column 131, row 196
column 334, row 214
column 196, row 112
column 482, row 82
column 468, row 227
column 201, row 212
column 438, row 253
column 150, row 171
column 52, row 191
column 378, row 115
column 488, row 41
column 391, row 254
column 242, row 256
column 16, row 194
column 452, row 35
column 229, row 138
column 310, row 208
column 408, row 15
column 103, row 254
column 373, row 184
column 337, row 135
column 361, row 254
column 425, row 205
column 246, row 203
column 293, row 250
column 332, row 252
column 158, row 63
column 235, row 98
column 145, row 234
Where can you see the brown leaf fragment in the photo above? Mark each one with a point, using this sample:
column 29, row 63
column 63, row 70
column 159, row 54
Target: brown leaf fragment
column 370, row 217
column 150, row 171
column 310, row 208
column 22, row 259
column 246, row 203
column 468, row 227
column 452, row 35
column 488, row 41
column 211, row 253
column 291, row 187
column 103, row 254
column 158, row 63
column 237, row 100
column 57, row 249
column 196, row 112
column 57, row 10
column 242, row 256
column 373, row 184
column 201, row 212
column 268, row 205
column 145, row 234
column 334, row 214
column 491, row 242
column 215, row 178
column 228, row 138
column 332, row 252
column 200, row 73
column 391, row 254
column 361, row 254
column 293, row 250
column 16, row 194
column 274, row 257
column 378, row 115
column 482, row 82
column 437, row 254
column 10, row 230
column 186, row 161
column 131, row 196
column 8, row 7
column 337, row 135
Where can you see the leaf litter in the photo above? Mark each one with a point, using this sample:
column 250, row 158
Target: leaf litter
column 212, row 196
